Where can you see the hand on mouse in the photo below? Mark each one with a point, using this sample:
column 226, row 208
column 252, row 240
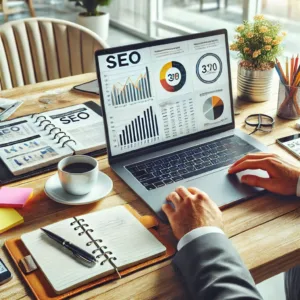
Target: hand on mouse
column 283, row 176
column 192, row 209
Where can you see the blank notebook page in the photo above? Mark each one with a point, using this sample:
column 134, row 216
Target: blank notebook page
column 123, row 235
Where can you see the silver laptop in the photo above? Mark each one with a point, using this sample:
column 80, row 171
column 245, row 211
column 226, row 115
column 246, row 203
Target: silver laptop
column 168, row 116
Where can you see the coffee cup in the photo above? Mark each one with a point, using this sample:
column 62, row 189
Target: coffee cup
column 78, row 174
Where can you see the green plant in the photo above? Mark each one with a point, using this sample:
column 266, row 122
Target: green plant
column 258, row 43
column 91, row 6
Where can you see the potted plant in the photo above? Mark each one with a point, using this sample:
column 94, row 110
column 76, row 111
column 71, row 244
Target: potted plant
column 258, row 44
column 94, row 19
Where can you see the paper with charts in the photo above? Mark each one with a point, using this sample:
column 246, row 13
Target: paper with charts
column 159, row 93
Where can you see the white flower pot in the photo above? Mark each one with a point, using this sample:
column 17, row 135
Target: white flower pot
column 98, row 24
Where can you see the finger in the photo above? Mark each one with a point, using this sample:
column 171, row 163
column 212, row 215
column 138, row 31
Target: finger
column 254, row 156
column 252, row 164
column 168, row 210
column 199, row 193
column 183, row 192
column 174, row 198
column 252, row 180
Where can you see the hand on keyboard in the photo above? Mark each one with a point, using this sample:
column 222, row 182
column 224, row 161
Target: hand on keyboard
column 283, row 176
column 192, row 209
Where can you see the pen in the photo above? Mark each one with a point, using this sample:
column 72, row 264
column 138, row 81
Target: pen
column 4, row 114
column 5, row 111
column 83, row 255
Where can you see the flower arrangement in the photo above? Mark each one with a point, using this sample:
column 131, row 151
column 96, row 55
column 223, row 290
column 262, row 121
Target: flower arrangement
column 258, row 43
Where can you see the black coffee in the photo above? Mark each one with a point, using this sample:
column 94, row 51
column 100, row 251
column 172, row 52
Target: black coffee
column 78, row 168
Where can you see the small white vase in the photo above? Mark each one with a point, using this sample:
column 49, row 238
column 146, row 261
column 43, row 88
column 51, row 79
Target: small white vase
column 98, row 24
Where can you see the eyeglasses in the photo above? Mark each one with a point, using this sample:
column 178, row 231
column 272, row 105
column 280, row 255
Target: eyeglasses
column 261, row 122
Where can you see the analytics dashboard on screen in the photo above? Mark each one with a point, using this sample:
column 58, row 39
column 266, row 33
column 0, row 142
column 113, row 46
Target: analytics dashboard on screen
column 164, row 92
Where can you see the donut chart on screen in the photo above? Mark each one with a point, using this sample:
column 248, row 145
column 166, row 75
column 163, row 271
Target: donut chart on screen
column 213, row 108
column 209, row 68
column 172, row 76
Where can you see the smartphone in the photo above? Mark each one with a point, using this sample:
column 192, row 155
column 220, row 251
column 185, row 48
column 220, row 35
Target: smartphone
column 5, row 274
column 291, row 143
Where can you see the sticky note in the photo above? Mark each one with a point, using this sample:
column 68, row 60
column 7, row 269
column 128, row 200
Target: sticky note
column 14, row 197
column 9, row 218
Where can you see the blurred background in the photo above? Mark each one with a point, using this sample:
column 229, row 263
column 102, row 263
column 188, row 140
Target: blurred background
column 138, row 20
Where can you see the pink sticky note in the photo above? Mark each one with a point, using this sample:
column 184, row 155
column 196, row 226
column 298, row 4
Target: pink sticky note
column 14, row 197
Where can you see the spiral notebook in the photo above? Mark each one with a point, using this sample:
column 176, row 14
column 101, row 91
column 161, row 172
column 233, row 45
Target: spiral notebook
column 33, row 142
column 114, row 236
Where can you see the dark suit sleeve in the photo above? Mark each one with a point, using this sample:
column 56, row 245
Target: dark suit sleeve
column 213, row 270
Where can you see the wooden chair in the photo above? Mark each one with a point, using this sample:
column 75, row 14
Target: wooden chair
column 7, row 10
column 40, row 49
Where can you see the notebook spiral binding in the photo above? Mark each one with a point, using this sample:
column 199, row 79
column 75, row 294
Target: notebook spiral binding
column 104, row 253
column 42, row 119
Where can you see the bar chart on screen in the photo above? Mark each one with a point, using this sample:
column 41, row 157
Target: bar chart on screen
column 128, row 88
column 135, row 131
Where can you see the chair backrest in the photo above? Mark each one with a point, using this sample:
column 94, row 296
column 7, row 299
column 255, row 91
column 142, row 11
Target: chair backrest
column 40, row 49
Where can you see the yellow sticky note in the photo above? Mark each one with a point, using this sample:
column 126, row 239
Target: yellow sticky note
column 9, row 218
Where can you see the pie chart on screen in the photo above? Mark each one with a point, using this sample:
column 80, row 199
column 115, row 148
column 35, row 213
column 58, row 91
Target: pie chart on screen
column 213, row 108
column 172, row 76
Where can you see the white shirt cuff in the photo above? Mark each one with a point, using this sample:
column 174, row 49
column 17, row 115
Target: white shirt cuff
column 298, row 188
column 195, row 233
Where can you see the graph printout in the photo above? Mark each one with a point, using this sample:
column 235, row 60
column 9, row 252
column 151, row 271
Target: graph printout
column 164, row 92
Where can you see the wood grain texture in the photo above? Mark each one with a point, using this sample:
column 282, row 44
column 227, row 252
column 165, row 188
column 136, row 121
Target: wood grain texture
column 263, row 229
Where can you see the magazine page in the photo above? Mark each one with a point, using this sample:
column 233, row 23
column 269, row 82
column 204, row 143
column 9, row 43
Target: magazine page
column 25, row 146
column 83, row 125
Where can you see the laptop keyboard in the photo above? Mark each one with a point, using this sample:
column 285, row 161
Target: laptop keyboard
column 173, row 167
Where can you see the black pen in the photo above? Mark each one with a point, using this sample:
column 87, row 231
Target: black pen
column 77, row 252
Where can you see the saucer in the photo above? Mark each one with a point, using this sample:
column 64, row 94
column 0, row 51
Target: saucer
column 55, row 191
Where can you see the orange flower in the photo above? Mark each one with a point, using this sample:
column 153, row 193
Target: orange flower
column 234, row 47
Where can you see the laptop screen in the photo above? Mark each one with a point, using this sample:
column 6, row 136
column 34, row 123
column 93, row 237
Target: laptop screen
column 161, row 92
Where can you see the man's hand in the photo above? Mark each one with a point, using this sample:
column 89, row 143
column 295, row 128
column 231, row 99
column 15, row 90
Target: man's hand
column 192, row 209
column 283, row 176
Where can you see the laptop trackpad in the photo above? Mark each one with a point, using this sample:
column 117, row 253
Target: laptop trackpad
column 224, row 188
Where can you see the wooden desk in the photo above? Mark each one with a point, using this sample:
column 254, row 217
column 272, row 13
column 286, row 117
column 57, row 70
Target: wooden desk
column 265, row 230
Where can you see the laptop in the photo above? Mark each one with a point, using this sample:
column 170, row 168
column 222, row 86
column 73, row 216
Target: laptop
column 168, row 117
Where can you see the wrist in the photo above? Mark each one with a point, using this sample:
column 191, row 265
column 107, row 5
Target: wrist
column 197, row 233
column 186, row 231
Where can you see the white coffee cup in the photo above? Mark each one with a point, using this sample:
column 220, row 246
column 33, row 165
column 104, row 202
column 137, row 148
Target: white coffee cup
column 78, row 183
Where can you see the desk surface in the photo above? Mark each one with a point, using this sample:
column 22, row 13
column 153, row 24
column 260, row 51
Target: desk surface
column 265, row 230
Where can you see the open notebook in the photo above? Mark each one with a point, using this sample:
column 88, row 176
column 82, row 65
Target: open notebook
column 115, row 235
column 32, row 142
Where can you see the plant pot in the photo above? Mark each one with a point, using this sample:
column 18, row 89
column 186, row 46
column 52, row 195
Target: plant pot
column 254, row 85
column 98, row 24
